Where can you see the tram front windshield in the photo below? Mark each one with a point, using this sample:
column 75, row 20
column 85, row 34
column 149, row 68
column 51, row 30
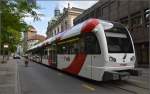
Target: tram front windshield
column 118, row 40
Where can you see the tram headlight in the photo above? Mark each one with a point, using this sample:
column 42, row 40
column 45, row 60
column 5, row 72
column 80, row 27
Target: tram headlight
column 112, row 59
column 132, row 58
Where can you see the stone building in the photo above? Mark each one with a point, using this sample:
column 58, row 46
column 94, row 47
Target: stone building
column 31, row 38
column 62, row 21
column 131, row 13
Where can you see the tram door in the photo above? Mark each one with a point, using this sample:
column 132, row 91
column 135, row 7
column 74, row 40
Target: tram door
column 92, row 49
column 53, row 55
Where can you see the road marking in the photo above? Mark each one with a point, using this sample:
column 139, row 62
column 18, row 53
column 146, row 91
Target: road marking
column 88, row 87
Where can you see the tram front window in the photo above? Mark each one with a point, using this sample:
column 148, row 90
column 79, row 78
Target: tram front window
column 118, row 40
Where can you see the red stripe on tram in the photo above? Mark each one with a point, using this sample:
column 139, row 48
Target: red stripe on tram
column 90, row 25
column 76, row 64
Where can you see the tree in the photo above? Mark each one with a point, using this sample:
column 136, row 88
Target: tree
column 12, row 23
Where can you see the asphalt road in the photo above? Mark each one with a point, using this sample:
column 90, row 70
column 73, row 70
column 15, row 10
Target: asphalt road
column 39, row 79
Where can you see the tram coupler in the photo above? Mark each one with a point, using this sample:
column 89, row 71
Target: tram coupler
column 110, row 75
column 115, row 75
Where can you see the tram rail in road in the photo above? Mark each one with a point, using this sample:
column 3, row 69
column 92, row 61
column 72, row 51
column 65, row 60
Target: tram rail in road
column 123, row 85
column 83, row 85
column 119, row 84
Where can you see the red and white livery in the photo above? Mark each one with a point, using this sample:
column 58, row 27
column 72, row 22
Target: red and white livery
column 95, row 49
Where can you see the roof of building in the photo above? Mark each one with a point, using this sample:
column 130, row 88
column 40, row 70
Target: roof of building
column 77, row 9
column 37, row 37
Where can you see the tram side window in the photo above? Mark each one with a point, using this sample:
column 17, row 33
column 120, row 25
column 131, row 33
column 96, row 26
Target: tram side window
column 71, row 47
column 62, row 49
column 66, row 48
column 78, row 46
column 91, row 44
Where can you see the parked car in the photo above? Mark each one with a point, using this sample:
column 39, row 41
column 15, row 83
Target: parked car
column 16, row 57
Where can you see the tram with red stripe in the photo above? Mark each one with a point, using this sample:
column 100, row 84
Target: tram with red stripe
column 95, row 49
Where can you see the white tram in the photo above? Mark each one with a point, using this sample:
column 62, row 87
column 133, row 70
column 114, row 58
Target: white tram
column 95, row 49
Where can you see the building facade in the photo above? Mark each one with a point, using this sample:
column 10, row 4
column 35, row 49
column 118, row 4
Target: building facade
column 31, row 38
column 62, row 21
column 131, row 13
column 35, row 40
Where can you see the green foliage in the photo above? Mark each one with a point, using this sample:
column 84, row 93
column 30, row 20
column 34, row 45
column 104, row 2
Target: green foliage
column 12, row 13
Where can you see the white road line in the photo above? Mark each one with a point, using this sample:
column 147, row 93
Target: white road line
column 89, row 87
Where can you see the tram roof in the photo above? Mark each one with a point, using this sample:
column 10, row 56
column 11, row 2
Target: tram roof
column 75, row 30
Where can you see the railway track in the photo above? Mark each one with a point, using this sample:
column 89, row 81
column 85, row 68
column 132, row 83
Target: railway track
column 128, row 87
column 133, row 84
column 124, row 85
column 113, row 86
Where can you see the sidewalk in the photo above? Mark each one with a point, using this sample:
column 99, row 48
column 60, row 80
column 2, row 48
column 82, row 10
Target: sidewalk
column 9, row 77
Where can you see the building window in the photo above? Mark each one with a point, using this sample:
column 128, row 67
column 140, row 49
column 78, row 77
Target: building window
column 99, row 12
column 136, row 21
column 105, row 12
column 55, row 32
column 58, row 30
column 113, row 11
column 66, row 24
column 61, row 28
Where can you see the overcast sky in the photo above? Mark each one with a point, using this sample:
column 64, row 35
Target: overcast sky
column 47, row 8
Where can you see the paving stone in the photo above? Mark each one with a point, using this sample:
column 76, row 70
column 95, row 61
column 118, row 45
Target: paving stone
column 8, row 77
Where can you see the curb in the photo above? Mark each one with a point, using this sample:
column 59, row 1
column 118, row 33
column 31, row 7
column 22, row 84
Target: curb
column 18, row 88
